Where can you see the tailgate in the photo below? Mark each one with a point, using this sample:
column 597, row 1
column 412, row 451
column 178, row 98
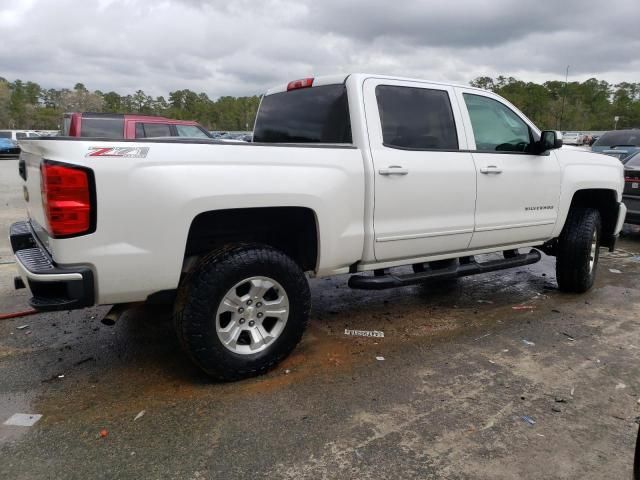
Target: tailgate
column 31, row 157
column 34, row 153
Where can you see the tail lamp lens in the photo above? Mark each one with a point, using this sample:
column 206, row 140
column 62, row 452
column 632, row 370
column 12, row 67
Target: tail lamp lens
column 66, row 198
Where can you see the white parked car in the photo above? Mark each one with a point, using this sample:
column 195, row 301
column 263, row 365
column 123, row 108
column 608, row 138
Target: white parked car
column 19, row 134
column 572, row 138
column 352, row 174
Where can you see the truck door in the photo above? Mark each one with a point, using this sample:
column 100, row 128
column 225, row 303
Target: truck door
column 424, row 179
column 518, row 190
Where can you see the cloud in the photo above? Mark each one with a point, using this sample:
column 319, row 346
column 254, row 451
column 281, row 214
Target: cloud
column 243, row 47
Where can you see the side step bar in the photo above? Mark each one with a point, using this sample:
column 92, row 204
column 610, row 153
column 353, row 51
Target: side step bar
column 389, row 280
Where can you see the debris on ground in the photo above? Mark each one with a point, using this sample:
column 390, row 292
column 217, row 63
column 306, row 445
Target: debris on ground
column 529, row 420
column 23, row 419
column 139, row 415
column 103, row 433
column 53, row 378
column 22, row 327
column 555, row 310
column 523, row 307
column 561, row 399
column 287, row 371
column 528, row 343
column 379, row 358
column 556, row 409
column 614, row 270
column 620, row 386
column 482, row 336
column 572, row 390
column 7, row 316
column 570, row 337
column 84, row 360
column 363, row 333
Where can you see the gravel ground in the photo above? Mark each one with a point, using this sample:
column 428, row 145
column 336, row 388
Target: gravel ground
column 469, row 386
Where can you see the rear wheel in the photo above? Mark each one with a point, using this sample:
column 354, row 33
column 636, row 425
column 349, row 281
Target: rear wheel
column 242, row 310
column 578, row 250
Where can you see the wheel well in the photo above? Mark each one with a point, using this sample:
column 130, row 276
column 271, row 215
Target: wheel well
column 292, row 230
column 606, row 203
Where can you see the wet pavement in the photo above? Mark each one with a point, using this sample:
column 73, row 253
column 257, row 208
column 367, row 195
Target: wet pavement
column 461, row 369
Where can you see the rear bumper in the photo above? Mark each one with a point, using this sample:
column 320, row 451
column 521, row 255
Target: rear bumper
column 633, row 209
column 53, row 287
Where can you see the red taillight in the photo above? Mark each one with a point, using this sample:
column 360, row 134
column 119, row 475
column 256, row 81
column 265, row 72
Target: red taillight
column 631, row 179
column 302, row 83
column 66, row 198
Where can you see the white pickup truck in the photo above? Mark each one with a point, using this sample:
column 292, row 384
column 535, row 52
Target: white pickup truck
column 353, row 174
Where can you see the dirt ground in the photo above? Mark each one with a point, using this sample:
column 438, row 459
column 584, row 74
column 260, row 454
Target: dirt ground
column 468, row 387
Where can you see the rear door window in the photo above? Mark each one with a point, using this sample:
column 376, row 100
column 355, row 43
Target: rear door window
column 416, row 118
column 633, row 162
column 5, row 134
column 307, row 115
column 102, row 127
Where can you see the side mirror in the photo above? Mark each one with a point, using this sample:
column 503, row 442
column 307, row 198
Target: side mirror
column 550, row 139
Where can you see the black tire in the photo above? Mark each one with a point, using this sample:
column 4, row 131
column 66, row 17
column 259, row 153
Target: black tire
column 202, row 291
column 573, row 271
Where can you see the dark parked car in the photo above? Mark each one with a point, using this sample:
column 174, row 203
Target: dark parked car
column 9, row 148
column 631, row 194
column 618, row 143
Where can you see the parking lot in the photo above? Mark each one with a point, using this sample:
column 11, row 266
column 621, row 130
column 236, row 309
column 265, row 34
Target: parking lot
column 463, row 385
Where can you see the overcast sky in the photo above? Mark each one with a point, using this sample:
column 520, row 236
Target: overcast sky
column 241, row 47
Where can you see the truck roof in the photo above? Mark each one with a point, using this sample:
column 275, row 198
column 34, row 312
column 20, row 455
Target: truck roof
column 340, row 78
column 130, row 116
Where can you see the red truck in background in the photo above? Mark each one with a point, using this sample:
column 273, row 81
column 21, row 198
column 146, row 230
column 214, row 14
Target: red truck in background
column 118, row 125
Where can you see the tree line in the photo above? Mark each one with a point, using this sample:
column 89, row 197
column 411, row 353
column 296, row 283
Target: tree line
column 589, row 105
column 27, row 105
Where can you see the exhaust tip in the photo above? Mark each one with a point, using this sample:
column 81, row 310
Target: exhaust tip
column 108, row 321
column 115, row 313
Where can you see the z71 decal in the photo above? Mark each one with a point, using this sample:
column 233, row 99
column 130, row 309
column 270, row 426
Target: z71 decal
column 124, row 152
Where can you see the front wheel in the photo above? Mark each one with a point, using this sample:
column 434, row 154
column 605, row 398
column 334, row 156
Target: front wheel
column 242, row 310
column 578, row 250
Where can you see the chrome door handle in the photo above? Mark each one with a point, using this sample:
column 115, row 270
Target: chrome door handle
column 490, row 169
column 393, row 170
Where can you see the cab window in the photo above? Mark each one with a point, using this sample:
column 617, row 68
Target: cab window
column 416, row 118
column 191, row 131
column 497, row 128
column 150, row 130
